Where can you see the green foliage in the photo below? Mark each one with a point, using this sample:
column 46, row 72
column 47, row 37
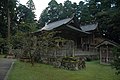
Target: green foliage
column 22, row 21
column 49, row 41
column 51, row 13
column 3, row 15
column 55, row 12
column 86, row 16
column 7, row 16
column 25, row 14
column 30, row 5
column 2, row 44
column 25, row 24
column 116, row 60
column 68, row 9
column 106, row 13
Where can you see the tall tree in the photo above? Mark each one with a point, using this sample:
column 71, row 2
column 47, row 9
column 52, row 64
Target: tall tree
column 26, row 17
column 55, row 12
column 30, row 5
column 4, row 6
column 7, row 18
column 105, row 12
column 25, row 14
column 25, row 24
column 61, row 12
column 51, row 13
column 43, row 18
column 68, row 9
column 108, row 17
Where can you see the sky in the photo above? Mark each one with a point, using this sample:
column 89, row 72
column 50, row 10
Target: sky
column 40, row 5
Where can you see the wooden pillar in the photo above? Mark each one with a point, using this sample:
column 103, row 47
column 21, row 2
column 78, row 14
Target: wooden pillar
column 88, row 46
column 93, row 37
column 107, row 54
column 81, row 40
column 81, row 43
column 100, row 56
column 93, row 42
column 73, row 51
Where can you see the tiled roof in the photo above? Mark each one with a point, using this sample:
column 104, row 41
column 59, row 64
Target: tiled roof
column 59, row 23
column 106, row 42
column 56, row 24
column 74, row 28
column 89, row 27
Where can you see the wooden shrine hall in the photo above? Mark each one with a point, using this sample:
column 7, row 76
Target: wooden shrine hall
column 87, row 39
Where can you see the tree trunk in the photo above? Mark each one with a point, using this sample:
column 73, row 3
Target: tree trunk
column 31, row 58
column 8, row 14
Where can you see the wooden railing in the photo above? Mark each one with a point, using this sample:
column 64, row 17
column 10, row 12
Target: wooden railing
column 75, row 52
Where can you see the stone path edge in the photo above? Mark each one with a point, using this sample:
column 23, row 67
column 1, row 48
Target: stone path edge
column 6, row 77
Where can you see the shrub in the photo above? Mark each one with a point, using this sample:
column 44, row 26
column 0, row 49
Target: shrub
column 116, row 59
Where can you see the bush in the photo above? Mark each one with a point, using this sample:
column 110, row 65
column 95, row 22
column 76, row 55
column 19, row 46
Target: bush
column 70, row 63
column 116, row 60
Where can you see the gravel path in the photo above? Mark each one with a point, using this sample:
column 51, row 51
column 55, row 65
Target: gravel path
column 5, row 65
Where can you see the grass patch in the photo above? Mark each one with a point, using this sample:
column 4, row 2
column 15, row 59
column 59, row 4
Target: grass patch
column 94, row 71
